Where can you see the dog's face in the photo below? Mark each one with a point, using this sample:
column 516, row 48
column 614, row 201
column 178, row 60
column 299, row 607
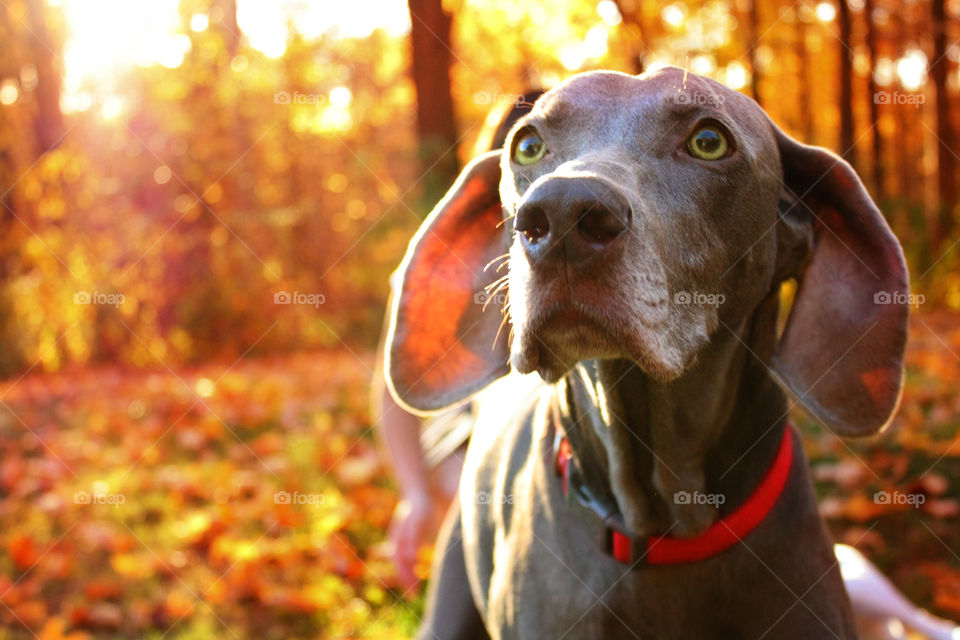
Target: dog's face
column 642, row 215
column 640, row 203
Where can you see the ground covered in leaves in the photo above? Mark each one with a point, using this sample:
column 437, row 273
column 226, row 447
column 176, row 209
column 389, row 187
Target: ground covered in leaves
column 152, row 505
column 248, row 501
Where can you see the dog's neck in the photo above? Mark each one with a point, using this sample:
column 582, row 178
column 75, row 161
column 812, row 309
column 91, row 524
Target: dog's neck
column 714, row 430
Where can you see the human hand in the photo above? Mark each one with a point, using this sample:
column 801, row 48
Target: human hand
column 415, row 522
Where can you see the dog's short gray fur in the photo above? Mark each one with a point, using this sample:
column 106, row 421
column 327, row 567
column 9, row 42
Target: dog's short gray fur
column 656, row 396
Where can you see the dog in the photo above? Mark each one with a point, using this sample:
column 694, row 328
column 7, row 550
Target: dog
column 628, row 245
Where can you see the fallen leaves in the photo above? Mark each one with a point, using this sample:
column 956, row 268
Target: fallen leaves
column 142, row 502
column 897, row 495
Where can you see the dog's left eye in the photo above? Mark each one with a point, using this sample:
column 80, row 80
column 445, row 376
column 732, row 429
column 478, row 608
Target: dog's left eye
column 708, row 143
column 528, row 148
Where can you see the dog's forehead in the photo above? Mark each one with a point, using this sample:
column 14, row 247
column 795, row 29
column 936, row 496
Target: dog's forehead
column 606, row 109
column 659, row 94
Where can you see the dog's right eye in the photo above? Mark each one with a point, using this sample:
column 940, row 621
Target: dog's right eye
column 708, row 142
column 528, row 148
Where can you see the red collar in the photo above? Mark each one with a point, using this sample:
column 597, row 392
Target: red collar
column 665, row 549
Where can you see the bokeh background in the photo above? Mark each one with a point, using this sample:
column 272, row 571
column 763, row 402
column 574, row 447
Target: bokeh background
column 201, row 202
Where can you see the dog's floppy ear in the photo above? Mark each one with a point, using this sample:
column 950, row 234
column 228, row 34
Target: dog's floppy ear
column 841, row 353
column 443, row 343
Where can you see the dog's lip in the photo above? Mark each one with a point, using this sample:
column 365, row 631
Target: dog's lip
column 569, row 314
column 561, row 317
column 541, row 349
column 562, row 313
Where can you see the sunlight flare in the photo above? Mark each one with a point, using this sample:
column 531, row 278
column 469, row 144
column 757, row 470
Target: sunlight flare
column 912, row 69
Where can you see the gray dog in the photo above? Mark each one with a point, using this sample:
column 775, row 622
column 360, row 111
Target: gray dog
column 650, row 486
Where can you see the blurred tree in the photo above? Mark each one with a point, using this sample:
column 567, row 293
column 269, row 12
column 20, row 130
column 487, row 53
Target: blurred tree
column 228, row 24
column 803, row 66
column 631, row 12
column 237, row 174
column 24, row 135
column 909, row 187
column 946, row 165
column 48, row 122
column 753, row 35
column 430, row 69
column 845, row 79
column 876, row 135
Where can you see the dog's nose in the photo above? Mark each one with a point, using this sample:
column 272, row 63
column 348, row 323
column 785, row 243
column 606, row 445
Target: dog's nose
column 581, row 215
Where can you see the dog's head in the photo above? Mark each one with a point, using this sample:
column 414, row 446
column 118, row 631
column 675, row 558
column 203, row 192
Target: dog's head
column 634, row 217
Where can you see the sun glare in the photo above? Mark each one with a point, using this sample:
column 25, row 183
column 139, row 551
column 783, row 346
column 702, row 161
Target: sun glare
column 736, row 75
column 912, row 69
column 106, row 38
column 673, row 15
column 107, row 35
column 8, row 92
column 199, row 22
column 826, row 12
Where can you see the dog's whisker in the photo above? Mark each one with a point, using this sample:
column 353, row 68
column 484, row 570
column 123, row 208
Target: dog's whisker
column 496, row 289
column 493, row 287
column 503, row 322
column 497, row 283
column 492, row 294
column 502, row 257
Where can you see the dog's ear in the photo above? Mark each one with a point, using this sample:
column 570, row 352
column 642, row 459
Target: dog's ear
column 443, row 344
column 841, row 353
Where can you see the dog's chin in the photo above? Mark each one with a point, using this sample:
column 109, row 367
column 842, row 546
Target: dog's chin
column 546, row 358
column 553, row 345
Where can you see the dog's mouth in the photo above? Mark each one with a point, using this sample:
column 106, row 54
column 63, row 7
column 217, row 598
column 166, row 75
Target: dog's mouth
column 553, row 336
column 556, row 340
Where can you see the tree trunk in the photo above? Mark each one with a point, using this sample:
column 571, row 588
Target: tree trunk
column 231, row 30
column 876, row 135
column 909, row 218
column 803, row 62
column 436, row 124
column 753, row 33
column 946, row 167
column 632, row 13
column 48, row 122
column 909, row 181
column 846, row 84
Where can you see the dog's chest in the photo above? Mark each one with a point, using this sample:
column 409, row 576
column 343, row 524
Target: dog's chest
column 535, row 562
